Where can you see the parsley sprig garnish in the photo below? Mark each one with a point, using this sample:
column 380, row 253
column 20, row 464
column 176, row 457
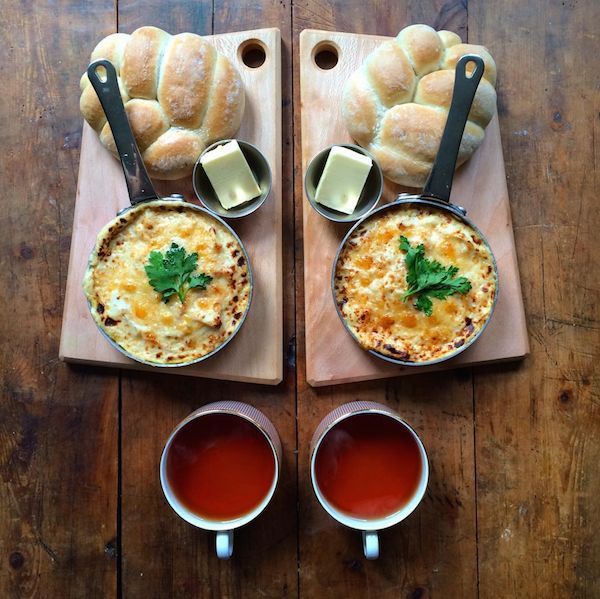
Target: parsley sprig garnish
column 172, row 273
column 428, row 278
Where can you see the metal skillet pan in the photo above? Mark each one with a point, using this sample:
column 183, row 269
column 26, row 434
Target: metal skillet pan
column 436, row 194
column 142, row 192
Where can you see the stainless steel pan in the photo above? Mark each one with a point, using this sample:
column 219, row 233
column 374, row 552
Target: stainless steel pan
column 437, row 189
column 140, row 186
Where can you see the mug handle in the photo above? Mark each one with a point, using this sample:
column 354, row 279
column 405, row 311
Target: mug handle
column 224, row 543
column 370, row 544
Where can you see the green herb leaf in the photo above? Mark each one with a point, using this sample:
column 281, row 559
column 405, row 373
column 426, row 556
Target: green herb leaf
column 200, row 281
column 428, row 278
column 424, row 304
column 172, row 273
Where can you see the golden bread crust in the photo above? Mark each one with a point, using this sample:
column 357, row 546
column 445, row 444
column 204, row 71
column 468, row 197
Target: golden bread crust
column 173, row 86
column 396, row 104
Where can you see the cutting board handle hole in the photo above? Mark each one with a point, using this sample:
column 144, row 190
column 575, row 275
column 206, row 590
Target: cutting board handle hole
column 326, row 55
column 253, row 53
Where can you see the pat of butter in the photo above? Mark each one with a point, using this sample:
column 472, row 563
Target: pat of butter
column 343, row 179
column 229, row 174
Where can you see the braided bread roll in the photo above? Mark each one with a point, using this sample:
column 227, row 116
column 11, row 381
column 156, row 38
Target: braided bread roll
column 179, row 93
column 396, row 104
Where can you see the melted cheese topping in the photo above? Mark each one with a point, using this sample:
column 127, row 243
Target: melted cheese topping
column 132, row 313
column 370, row 279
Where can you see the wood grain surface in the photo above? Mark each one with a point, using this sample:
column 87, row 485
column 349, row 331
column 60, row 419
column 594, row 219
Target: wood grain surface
column 332, row 355
column 101, row 193
column 513, row 507
column 537, row 428
column 58, row 427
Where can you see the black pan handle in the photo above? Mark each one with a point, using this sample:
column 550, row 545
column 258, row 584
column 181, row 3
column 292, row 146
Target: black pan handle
column 439, row 182
column 138, row 182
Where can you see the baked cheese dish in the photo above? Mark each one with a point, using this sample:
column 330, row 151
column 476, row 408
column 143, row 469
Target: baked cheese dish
column 127, row 308
column 370, row 282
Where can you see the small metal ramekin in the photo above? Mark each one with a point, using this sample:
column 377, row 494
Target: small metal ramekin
column 260, row 169
column 369, row 197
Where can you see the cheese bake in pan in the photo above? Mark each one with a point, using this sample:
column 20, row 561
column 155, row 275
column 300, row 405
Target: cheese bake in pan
column 415, row 282
column 129, row 310
column 371, row 273
column 168, row 283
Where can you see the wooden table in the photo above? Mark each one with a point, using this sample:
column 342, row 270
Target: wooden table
column 513, row 506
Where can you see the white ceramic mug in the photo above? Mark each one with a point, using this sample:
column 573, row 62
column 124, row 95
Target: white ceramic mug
column 369, row 527
column 224, row 529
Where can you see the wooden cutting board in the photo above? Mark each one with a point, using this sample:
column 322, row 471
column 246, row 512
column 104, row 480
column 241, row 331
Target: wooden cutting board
column 332, row 356
column 256, row 353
